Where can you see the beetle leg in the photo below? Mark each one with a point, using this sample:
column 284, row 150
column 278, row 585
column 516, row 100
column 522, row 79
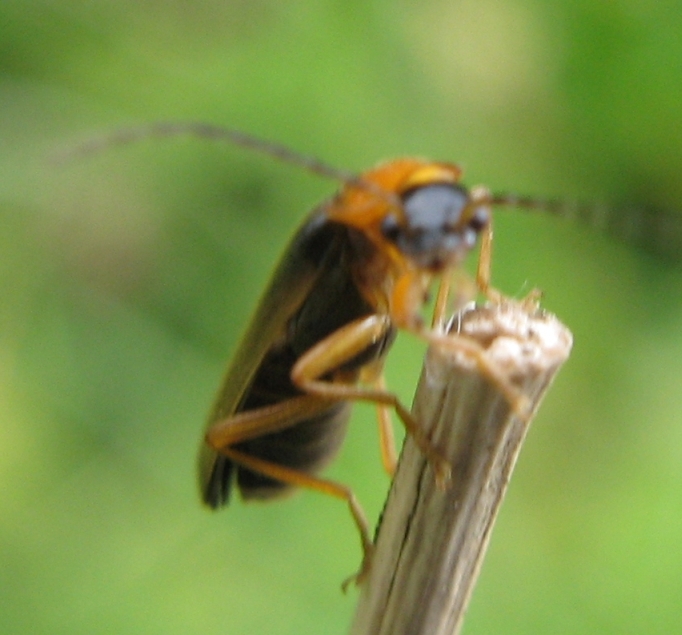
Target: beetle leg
column 255, row 423
column 465, row 290
column 389, row 457
column 334, row 351
column 301, row 479
column 484, row 267
column 441, row 305
column 458, row 343
column 251, row 424
column 373, row 374
column 342, row 346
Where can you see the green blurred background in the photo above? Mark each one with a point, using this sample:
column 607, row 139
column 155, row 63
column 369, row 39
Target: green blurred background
column 127, row 278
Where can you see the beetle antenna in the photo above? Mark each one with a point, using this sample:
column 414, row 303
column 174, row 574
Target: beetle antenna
column 654, row 230
column 169, row 129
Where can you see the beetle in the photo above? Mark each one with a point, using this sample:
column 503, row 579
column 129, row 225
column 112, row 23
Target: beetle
column 357, row 271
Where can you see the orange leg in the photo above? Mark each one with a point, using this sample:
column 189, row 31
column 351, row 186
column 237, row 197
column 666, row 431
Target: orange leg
column 463, row 344
column 254, row 423
column 485, row 260
column 440, row 307
column 331, row 488
column 389, row 457
column 343, row 345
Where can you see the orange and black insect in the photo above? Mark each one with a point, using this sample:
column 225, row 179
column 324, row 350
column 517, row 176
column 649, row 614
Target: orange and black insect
column 358, row 270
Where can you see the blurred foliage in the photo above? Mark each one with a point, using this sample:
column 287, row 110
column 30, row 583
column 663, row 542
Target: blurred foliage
column 127, row 278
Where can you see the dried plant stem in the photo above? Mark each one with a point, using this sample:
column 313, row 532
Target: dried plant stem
column 431, row 541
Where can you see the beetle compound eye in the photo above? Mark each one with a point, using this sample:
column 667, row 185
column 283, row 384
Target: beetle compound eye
column 390, row 227
column 480, row 219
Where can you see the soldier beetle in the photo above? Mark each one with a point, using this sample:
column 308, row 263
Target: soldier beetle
column 358, row 270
